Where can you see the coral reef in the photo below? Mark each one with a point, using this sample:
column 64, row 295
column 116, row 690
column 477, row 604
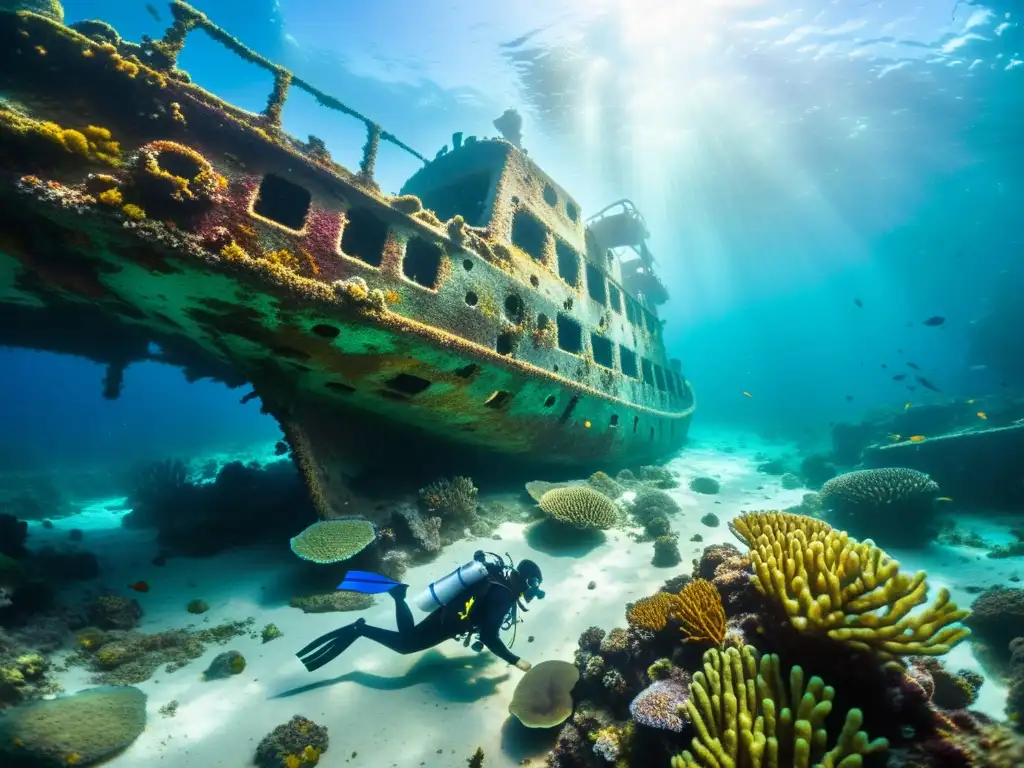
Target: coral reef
column 332, row 601
column 245, row 504
column 666, row 551
column 790, row 481
column 225, row 665
column 657, row 526
column 298, row 742
column 650, row 502
column 602, row 483
column 331, row 541
column 893, row 506
column 270, row 632
column 425, row 532
column 580, row 507
column 816, row 470
column 700, row 612
column 22, row 674
column 128, row 658
column 696, row 609
column 661, row 705
column 996, row 620
column 454, row 501
column 706, row 485
column 830, row 584
column 742, row 711
column 1015, row 694
column 82, row 729
column 114, row 612
column 659, row 477
column 197, row 606
column 543, row 697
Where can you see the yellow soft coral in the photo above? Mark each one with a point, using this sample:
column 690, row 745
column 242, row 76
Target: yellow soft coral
column 292, row 761
column 233, row 252
column 284, row 258
column 851, row 591
column 111, row 197
column 745, row 715
column 133, row 211
column 310, row 755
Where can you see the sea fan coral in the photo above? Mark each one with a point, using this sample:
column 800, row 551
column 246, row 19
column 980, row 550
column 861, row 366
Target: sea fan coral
column 697, row 608
column 700, row 612
column 580, row 507
column 652, row 612
column 851, row 591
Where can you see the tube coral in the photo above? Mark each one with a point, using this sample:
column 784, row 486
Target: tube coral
column 745, row 715
column 851, row 591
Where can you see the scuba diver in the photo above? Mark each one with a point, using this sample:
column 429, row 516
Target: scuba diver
column 478, row 598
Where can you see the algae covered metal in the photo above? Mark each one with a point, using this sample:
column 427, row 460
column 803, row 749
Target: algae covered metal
column 477, row 308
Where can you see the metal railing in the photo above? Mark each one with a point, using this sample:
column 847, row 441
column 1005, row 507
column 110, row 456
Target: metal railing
column 164, row 55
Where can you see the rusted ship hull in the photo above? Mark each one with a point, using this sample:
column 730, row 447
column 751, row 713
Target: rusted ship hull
column 137, row 206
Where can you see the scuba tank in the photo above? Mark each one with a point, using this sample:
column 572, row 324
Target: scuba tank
column 444, row 589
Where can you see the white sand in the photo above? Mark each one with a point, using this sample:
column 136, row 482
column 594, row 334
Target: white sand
column 431, row 709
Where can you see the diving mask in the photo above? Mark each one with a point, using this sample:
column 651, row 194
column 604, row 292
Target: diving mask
column 533, row 589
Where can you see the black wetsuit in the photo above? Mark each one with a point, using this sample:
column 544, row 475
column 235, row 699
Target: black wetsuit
column 492, row 602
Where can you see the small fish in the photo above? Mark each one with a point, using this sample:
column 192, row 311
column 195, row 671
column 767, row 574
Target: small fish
column 906, row 405
column 912, row 389
column 859, row 303
column 917, row 438
column 849, row 398
column 979, row 367
column 895, row 438
column 982, row 415
column 943, row 498
column 747, row 394
column 915, row 366
column 927, row 384
column 971, row 401
column 934, row 321
column 884, row 365
column 153, row 12
column 139, row 586
column 899, row 377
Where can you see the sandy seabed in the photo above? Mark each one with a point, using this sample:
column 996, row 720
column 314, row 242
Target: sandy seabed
column 435, row 708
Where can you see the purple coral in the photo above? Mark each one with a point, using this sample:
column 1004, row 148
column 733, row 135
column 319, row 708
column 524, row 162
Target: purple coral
column 660, row 705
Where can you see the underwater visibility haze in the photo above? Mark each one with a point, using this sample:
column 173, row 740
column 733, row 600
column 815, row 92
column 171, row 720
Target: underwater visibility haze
column 579, row 384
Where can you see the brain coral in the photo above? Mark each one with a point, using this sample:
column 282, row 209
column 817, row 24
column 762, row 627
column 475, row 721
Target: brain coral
column 863, row 502
column 580, row 507
column 330, row 541
column 74, row 730
column 543, row 698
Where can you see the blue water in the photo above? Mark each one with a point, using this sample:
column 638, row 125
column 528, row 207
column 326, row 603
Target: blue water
column 788, row 159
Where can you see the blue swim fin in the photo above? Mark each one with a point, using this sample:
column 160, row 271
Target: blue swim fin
column 367, row 582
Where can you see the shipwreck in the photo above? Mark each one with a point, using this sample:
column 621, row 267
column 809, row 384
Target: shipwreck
column 143, row 217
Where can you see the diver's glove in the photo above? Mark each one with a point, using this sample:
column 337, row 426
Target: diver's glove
column 524, row 665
